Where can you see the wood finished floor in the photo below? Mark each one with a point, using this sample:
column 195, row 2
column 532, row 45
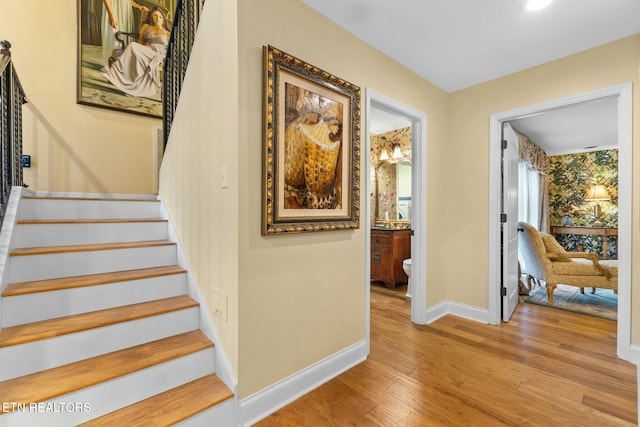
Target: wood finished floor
column 545, row 367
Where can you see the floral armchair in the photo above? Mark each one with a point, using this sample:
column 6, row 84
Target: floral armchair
column 546, row 260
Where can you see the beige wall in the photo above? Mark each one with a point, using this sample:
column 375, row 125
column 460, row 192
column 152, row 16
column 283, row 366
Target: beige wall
column 301, row 297
column 293, row 300
column 203, row 139
column 468, row 158
column 73, row 147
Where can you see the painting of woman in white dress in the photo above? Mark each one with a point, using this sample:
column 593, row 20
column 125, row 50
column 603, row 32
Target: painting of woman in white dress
column 117, row 15
column 136, row 72
column 106, row 29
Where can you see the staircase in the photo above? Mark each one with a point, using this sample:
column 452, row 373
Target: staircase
column 97, row 324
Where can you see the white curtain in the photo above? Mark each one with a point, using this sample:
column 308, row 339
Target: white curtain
column 529, row 195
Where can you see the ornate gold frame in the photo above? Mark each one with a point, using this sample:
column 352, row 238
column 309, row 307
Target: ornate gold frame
column 311, row 148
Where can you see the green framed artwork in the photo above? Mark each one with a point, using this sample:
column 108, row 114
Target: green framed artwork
column 121, row 49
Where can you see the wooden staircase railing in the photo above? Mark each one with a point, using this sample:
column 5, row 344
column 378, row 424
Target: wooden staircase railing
column 183, row 34
column 12, row 98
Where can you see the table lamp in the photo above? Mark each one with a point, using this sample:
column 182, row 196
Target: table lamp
column 597, row 193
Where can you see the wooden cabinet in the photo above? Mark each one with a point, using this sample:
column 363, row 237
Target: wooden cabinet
column 389, row 247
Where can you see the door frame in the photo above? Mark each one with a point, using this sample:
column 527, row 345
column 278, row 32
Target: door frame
column 418, row 121
column 625, row 170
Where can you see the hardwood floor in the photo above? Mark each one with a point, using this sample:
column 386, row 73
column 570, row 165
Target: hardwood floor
column 545, row 367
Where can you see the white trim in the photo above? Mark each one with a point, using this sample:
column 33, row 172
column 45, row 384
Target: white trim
column 367, row 223
column 265, row 402
column 468, row 312
column 94, row 195
column 625, row 231
column 7, row 238
column 418, row 121
column 625, row 141
column 222, row 366
column 7, row 235
column 437, row 311
column 634, row 355
column 456, row 309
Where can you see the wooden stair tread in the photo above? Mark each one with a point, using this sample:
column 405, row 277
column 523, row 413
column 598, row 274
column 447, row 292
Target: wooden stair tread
column 170, row 407
column 23, row 288
column 87, row 221
column 43, row 250
column 100, row 199
column 44, row 329
column 44, row 385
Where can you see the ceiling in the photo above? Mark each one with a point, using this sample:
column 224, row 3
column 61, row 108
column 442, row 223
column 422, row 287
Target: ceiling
column 455, row 44
column 381, row 121
column 588, row 126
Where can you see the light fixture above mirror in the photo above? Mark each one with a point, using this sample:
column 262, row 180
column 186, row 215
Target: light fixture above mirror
column 397, row 153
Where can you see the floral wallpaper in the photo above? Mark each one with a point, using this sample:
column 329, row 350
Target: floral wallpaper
column 386, row 171
column 570, row 177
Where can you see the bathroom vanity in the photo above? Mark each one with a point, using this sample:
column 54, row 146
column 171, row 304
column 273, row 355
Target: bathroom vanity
column 389, row 247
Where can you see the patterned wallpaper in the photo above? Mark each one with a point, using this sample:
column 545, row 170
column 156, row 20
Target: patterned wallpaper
column 570, row 177
column 387, row 191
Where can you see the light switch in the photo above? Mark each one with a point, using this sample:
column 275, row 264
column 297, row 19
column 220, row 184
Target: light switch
column 224, row 177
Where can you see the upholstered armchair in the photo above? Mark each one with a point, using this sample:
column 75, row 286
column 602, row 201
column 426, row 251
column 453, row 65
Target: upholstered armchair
column 546, row 260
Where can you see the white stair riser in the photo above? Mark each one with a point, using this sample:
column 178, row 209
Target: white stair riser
column 28, row 308
column 36, row 235
column 119, row 392
column 86, row 209
column 39, row 267
column 23, row 359
column 218, row 415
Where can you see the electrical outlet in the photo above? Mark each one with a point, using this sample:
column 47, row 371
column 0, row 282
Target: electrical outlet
column 218, row 303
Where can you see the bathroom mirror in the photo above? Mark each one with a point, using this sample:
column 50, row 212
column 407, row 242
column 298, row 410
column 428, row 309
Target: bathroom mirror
column 393, row 191
column 390, row 178
column 403, row 173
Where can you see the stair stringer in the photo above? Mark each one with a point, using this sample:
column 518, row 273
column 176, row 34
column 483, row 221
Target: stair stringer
column 207, row 326
column 7, row 236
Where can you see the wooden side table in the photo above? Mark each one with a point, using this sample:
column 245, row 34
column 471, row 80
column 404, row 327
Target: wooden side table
column 605, row 232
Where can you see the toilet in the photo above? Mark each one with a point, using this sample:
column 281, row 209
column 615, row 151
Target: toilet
column 406, row 266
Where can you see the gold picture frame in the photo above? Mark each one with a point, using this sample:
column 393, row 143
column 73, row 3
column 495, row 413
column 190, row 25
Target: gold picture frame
column 311, row 148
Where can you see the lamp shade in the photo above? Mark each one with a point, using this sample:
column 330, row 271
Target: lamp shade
column 397, row 153
column 597, row 192
column 384, row 155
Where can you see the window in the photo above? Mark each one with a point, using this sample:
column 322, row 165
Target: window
column 528, row 195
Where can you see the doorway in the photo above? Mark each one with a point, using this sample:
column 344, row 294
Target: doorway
column 624, row 100
column 418, row 121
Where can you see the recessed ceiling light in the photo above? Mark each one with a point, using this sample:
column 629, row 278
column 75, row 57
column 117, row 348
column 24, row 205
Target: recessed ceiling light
column 533, row 5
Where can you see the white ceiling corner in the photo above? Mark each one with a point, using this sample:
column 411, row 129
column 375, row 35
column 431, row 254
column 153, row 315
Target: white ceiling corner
column 455, row 44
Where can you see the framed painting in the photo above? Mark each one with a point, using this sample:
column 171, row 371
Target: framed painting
column 121, row 48
column 311, row 148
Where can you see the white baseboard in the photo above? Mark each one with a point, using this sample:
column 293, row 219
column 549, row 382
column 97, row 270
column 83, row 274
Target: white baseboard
column 94, row 195
column 256, row 407
column 457, row 309
column 437, row 311
column 634, row 356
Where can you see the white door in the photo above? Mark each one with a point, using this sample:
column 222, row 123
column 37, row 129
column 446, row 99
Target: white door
column 509, row 222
